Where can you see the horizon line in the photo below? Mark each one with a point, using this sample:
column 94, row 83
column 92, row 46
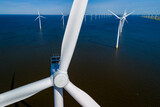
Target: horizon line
column 85, row 14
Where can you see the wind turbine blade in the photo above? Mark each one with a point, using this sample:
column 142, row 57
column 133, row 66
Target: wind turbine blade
column 126, row 20
column 72, row 32
column 61, row 13
column 80, row 96
column 36, row 18
column 114, row 14
column 24, row 92
column 129, row 14
column 58, row 97
column 43, row 17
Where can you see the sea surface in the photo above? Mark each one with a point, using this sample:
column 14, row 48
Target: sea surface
column 127, row 77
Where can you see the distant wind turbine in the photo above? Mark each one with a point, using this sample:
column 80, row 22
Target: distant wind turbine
column 85, row 18
column 121, row 24
column 91, row 16
column 39, row 17
column 95, row 16
column 62, row 17
column 156, row 15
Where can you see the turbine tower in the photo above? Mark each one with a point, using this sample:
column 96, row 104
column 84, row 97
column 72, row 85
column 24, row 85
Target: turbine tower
column 121, row 24
column 39, row 17
column 59, row 68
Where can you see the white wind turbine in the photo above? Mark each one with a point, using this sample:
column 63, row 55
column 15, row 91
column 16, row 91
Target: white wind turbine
column 121, row 24
column 95, row 16
column 85, row 18
column 99, row 16
column 39, row 17
column 156, row 15
column 59, row 79
column 62, row 17
column 91, row 16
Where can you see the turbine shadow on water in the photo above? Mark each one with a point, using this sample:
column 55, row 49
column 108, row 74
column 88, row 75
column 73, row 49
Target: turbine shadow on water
column 12, row 87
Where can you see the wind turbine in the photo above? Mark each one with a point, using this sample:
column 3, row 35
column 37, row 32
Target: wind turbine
column 99, row 16
column 39, row 17
column 95, row 16
column 91, row 16
column 121, row 24
column 156, row 15
column 59, row 79
column 62, row 17
column 85, row 17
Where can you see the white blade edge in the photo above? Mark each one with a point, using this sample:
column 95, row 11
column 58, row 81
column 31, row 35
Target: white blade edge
column 72, row 32
column 24, row 92
column 114, row 14
column 58, row 97
column 80, row 96
column 36, row 18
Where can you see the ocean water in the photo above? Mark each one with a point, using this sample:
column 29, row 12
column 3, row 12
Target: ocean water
column 127, row 77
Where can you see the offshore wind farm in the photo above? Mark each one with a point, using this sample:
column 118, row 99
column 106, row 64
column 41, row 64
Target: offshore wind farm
column 128, row 76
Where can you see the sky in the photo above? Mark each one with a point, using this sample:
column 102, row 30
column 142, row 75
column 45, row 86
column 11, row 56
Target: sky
column 51, row 7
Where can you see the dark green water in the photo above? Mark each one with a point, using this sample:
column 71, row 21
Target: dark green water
column 128, row 77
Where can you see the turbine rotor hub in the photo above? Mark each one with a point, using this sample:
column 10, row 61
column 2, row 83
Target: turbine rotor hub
column 60, row 79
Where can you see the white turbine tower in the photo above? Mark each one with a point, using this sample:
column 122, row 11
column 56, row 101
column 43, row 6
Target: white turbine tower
column 39, row 17
column 121, row 24
column 59, row 79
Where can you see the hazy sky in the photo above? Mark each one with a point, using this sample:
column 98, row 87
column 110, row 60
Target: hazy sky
column 94, row 6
